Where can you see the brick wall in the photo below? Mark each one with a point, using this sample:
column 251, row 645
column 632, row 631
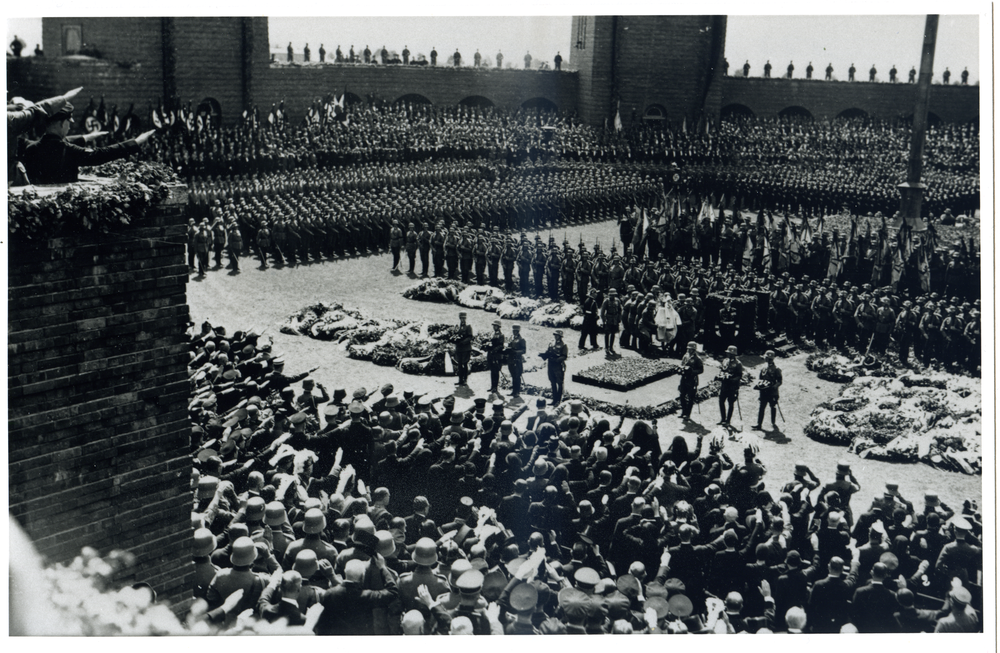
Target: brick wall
column 825, row 100
column 505, row 88
column 98, row 430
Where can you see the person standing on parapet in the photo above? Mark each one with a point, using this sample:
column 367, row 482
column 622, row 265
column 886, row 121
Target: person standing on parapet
column 527, row 60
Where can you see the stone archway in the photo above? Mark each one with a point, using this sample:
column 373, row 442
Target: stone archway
column 736, row 111
column 854, row 112
column 477, row 101
column 795, row 112
column 412, row 98
column 540, row 103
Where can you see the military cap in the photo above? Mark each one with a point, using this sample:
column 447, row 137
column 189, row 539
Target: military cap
column 361, row 393
column 769, row 354
column 628, row 585
column 960, row 595
column 659, row 605
column 457, row 418
column 680, row 605
column 470, row 582
column 523, row 597
column 463, row 314
column 497, row 323
column 244, row 552
column 558, row 333
column 204, row 542
column 587, row 577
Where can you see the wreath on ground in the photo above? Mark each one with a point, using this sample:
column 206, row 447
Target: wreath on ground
column 934, row 418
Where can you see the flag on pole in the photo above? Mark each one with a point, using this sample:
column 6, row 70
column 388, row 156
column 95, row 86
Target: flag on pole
column 924, row 269
column 748, row 251
column 618, row 117
column 837, row 252
column 787, row 242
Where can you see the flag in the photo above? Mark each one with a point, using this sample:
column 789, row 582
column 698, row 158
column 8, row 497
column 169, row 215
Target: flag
column 641, row 228
column 898, row 264
column 806, row 235
column 837, row 253
column 748, row 251
column 787, row 242
column 924, row 269
column 618, row 117
column 766, row 253
column 695, row 244
column 819, row 228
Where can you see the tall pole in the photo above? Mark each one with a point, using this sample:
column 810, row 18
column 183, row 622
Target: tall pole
column 912, row 191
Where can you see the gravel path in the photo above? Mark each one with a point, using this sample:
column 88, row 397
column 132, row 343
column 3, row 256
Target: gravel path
column 265, row 298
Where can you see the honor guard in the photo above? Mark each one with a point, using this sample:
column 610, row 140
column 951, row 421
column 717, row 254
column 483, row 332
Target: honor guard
column 730, row 375
column 556, row 356
column 691, row 369
column 515, row 359
column 611, row 315
column 411, row 246
column 463, row 349
column 424, row 245
column 395, row 244
column 767, row 386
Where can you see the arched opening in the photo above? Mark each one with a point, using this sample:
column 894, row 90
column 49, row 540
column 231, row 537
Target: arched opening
column 848, row 114
column 477, row 101
column 210, row 109
column 932, row 119
column 736, row 112
column 351, row 98
column 540, row 103
column 795, row 112
column 655, row 112
column 413, row 98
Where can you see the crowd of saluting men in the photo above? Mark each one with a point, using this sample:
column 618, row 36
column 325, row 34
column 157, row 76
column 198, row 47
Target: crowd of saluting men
column 386, row 512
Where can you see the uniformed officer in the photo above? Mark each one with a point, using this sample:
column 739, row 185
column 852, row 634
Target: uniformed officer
column 480, row 250
column 192, row 231
column 864, row 320
column 493, row 254
column 437, row 249
column 463, row 349
column 395, row 244
column 516, row 351
column 465, row 254
column 568, row 272
column 822, row 312
column 424, row 245
column 218, row 240
column 767, row 385
column 451, row 252
column 507, row 259
column 589, row 328
column 538, row 262
column 905, row 330
column 691, row 368
column 263, row 243
column 727, row 324
column 202, row 244
column 234, row 246
column 885, row 322
column 411, row 245
column 524, row 257
column 730, row 375
column 556, row 356
column 494, row 356
column 611, row 315
column 554, row 269
column 583, row 269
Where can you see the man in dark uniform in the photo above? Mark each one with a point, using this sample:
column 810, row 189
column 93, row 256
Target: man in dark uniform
column 892, row 74
column 885, row 321
column 263, row 243
column 871, row 73
column 687, row 330
column 411, row 245
column 611, row 316
column 809, row 71
column 465, row 254
column 507, row 259
column 583, row 274
column 192, row 231
column 493, row 253
column 434, row 56
column 451, row 252
column 424, row 245
column 767, row 385
column 479, row 252
column 691, row 368
column 568, row 272
column 54, row 160
column 218, row 240
column 767, row 68
column 556, row 356
column 367, row 55
column 515, row 359
column 850, row 73
column 864, row 320
column 727, row 324
column 972, row 347
column 730, row 375
column 930, row 332
column 437, row 247
column 791, row 69
column 202, row 241
column 538, row 262
column 843, row 320
column 554, row 268
column 952, row 330
column 822, row 311
column 904, row 331
column 798, row 307
column 406, row 55
column 524, row 257
column 395, row 244
column 558, row 61
column 589, row 320
column 746, row 68
column 829, row 72
column 234, row 246
column 463, row 349
column 494, row 357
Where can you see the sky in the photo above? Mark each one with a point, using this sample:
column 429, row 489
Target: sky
column 842, row 40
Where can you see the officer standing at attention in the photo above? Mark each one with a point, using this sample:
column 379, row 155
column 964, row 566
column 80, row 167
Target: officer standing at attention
column 730, row 374
column 499, row 60
column 463, row 349
column 871, row 73
column 411, row 245
column 424, row 244
column 809, row 71
column 556, row 355
column 770, row 381
column 829, row 72
column 558, row 61
column 611, row 315
column 691, row 368
column 494, row 357
column 515, row 359
column 434, row 56
column 589, row 320
column 850, row 73
column 234, row 246
column 395, row 244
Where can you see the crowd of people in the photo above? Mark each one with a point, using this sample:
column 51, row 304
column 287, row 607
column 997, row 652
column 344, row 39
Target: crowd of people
column 829, row 70
column 386, row 512
column 386, row 57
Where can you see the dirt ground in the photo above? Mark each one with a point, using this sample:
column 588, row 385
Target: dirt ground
column 265, row 298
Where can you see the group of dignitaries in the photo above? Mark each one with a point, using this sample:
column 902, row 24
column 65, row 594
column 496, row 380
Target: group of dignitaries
column 386, row 512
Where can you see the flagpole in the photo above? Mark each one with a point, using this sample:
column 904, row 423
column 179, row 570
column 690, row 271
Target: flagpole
column 912, row 190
